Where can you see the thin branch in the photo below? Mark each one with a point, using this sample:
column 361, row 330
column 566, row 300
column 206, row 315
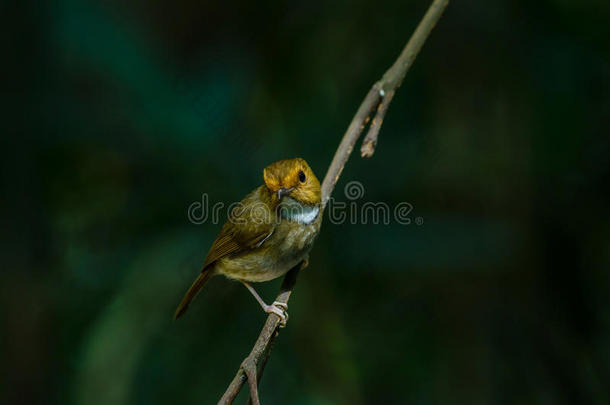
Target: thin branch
column 383, row 89
column 255, row 362
column 377, row 100
column 370, row 140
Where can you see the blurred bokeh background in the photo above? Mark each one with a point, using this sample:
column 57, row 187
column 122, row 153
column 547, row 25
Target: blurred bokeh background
column 117, row 116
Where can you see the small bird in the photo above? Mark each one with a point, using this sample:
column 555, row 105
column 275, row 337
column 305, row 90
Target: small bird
column 269, row 232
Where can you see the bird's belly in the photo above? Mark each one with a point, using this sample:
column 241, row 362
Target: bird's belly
column 285, row 248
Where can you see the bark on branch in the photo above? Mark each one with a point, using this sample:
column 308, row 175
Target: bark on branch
column 375, row 103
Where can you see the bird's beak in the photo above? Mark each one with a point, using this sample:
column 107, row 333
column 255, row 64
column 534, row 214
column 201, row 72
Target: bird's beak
column 284, row 191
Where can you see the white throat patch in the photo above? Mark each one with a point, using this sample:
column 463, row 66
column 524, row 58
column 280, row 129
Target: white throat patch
column 292, row 210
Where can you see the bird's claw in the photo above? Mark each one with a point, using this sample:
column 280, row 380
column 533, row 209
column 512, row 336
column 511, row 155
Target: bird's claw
column 279, row 308
column 280, row 304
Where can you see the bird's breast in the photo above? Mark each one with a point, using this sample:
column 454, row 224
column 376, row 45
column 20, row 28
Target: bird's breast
column 288, row 245
column 296, row 239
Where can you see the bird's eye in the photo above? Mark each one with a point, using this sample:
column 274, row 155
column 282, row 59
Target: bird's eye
column 302, row 177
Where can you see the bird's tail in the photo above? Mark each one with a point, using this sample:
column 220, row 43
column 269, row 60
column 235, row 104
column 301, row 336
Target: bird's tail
column 193, row 291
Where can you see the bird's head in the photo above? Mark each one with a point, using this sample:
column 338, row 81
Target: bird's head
column 294, row 178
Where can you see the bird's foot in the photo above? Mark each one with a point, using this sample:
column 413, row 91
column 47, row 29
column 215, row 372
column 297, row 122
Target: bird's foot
column 280, row 309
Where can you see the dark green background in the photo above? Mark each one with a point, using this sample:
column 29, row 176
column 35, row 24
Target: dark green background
column 118, row 115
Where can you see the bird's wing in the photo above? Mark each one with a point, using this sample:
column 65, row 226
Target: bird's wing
column 248, row 226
